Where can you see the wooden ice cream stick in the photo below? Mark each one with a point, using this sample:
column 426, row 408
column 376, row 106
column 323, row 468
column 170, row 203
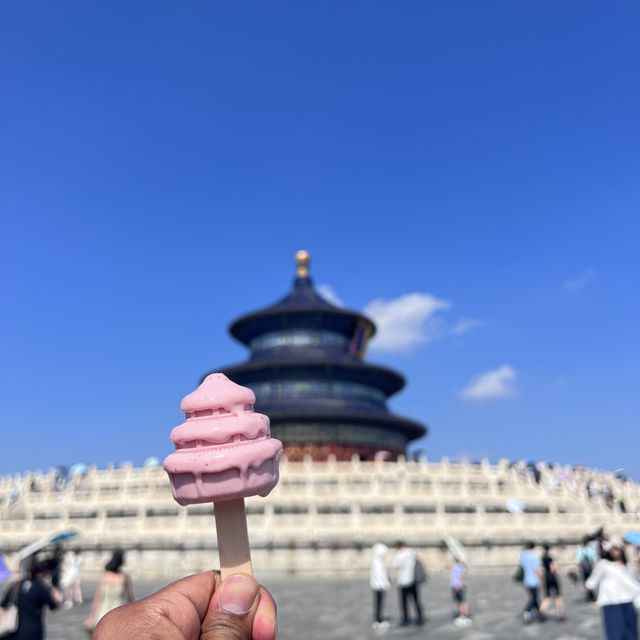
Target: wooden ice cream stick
column 233, row 539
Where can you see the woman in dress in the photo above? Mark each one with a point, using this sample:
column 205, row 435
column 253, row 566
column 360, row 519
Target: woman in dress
column 114, row 589
column 32, row 594
column 617, row 590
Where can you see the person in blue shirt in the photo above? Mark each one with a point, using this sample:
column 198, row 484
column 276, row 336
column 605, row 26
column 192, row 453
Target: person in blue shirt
column 458, row 583
column 586, row 558
column 531, row 570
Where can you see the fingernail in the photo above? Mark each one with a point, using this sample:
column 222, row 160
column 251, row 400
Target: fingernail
column 239, row 592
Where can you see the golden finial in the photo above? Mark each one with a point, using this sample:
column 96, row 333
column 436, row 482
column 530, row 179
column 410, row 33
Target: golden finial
column 303, row 258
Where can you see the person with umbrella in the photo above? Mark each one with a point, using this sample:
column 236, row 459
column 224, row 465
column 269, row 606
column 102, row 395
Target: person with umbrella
column 31, row 595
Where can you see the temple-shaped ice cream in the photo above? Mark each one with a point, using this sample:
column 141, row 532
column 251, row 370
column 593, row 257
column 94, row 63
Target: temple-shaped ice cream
column 224, row 450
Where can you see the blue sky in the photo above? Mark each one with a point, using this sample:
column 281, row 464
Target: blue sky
column 468, row 171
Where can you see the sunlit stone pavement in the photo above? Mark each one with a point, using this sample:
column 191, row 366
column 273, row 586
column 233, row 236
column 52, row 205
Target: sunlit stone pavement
column 321, row 609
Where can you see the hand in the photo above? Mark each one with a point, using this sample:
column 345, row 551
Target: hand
column 57, row 595
column 199, row 607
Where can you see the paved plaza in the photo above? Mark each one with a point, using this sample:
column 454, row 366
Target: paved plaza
column 341, row 609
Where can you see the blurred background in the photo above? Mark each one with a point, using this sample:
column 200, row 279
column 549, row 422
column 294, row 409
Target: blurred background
column 465, row 179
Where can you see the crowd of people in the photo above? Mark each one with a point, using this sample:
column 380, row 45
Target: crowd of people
column 200, row 607
column 55, row 580
column 602, row 570
column 600, row 489
column 605, row 575
column 408, row 571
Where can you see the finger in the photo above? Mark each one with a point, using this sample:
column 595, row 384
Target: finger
column 265, row 626
column 232, row 609
column 174, row 612
column 185, row 602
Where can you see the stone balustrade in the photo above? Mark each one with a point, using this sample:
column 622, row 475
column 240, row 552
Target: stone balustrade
column 323, row 515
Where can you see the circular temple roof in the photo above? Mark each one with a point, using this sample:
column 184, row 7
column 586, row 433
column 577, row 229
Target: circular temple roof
column 314, row 384
column 302, row 307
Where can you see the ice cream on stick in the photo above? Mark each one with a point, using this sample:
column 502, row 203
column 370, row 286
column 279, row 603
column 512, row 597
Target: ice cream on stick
column 224, row 453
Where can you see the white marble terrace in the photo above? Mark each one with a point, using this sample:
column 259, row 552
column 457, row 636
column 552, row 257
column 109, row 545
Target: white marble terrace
column 322, row 517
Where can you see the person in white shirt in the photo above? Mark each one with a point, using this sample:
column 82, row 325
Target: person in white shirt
column 379, row 583
column 404, row 563
column 71, row 581
column 617, row 591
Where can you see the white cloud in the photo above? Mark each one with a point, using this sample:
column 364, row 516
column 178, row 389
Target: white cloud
column 490, row 385
column 575, row 284
column 464, row 325
column 405, row 322
column 329, row 294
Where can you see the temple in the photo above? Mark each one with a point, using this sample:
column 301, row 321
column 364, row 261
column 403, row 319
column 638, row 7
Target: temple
column 307, row 370
column 329, row 407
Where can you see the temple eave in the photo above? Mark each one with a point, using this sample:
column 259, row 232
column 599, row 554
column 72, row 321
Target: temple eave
column 387, row 380
column 410, row 429
column 251, row 325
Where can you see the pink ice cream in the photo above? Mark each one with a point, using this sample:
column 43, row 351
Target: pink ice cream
column 224, row 450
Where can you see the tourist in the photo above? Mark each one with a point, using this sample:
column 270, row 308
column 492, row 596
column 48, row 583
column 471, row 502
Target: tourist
column 607, row 496
column 458, row 583
column 601, row 544
column 585, row 559
column 199, row 607
column 551, row 584
column 32, row 594
column 70, row 581
column 379, row 583
column 405, row 561
column 55, row 563
column 113, row 590
column 530, row 566
column 617, row 590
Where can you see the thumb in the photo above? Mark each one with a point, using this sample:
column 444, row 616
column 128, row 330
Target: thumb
column 232, row 609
